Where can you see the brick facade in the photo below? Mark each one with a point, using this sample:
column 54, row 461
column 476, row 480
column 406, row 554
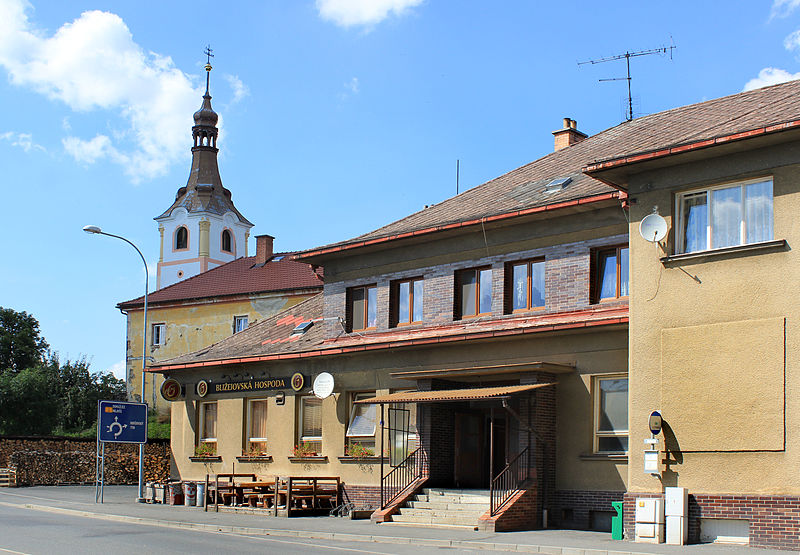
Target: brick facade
column 573, row 509
column 362, row 496
column 774, row 519
column 567, row 280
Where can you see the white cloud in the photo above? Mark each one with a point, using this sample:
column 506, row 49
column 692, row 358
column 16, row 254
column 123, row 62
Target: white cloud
column 352, row 86
column 239, row 89
column 347, row 13
column 770, row 76
column 22, row 140
column 782, row 8
column 118, row 369
column 93, row 64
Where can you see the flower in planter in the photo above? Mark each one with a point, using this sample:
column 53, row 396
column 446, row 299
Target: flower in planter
column 254, row 452
column 305, row 449
column 205, row 450
column 359, row 451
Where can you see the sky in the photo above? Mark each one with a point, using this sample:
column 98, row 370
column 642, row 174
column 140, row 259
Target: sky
column 336, row 117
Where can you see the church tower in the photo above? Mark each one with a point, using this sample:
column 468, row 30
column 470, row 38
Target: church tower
column 202, row 229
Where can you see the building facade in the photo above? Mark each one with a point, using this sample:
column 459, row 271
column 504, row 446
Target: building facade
column 497, row 322
column 208, row 288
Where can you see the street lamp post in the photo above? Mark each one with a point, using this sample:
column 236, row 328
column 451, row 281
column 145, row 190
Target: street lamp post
column 95, row 230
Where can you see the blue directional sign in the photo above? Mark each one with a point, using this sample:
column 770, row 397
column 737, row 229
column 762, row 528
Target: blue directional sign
column 122, row 422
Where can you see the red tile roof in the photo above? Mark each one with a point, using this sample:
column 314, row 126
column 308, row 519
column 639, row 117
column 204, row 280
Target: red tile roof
column 271, row 339
column 769, row 109
column 238, row 277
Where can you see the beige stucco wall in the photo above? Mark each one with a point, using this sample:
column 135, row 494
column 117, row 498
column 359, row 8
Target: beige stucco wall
column 592, row 353
column 190, row 327
column 707, row 340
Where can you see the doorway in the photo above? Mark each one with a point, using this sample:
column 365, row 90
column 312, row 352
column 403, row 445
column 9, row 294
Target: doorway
column 472, row 448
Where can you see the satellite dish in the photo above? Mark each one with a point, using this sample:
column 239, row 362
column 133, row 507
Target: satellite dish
column 323, row 385
column 653, row 228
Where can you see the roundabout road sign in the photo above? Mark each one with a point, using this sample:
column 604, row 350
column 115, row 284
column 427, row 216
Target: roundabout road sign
column 122, row 422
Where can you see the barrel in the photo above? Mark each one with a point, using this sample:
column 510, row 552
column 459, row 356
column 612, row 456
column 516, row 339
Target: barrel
column 189, row 494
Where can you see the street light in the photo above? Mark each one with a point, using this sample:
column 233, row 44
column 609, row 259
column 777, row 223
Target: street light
column 95, row 230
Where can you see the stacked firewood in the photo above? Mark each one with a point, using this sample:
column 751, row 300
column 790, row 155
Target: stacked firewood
column 55, row 462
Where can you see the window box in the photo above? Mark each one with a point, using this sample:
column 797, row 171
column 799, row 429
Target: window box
column 366, row 460
column 309, row 458
column 206, row 458
column 255, row 458
column 723, row 216
column 607, row 457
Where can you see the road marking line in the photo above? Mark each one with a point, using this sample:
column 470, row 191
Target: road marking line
column 306, row 544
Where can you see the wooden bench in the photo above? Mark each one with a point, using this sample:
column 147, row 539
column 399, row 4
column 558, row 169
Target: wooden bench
column 227, row 489
column 311, row 493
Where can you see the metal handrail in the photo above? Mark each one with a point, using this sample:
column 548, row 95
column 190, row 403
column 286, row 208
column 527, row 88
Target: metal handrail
column 508, row 481
column 402, row 476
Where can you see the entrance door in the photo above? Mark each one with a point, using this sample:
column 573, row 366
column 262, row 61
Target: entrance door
column 469, row 468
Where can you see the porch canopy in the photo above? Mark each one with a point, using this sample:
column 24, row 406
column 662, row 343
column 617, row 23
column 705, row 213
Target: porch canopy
column 442, row 395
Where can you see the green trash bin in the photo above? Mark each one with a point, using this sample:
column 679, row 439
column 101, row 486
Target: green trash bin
column 616, row 521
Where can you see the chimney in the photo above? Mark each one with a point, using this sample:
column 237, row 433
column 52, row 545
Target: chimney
column 568, row 135
column 263, row 248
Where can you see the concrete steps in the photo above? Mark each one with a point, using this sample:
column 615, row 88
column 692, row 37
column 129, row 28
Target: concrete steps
column 444, row 507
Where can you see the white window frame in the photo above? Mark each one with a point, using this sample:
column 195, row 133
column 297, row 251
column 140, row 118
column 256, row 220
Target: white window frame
column 238, row 320
column 596, row 432
column 359, row 438
column 680, row 238
column 310, row 439
column 250, row 438
column 201, row 423
column 162, row 334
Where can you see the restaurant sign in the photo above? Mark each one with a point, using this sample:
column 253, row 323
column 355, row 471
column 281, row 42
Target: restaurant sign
column 296, row 382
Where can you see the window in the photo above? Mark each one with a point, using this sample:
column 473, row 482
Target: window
column 311, row 422
column 473, row 292
column 181, row 238
column 403, row 436
column 362, row 307
column 159, row 334
column 407, row 302
column 725, row 216
column 208, row 424
column 611, row 414
column 239, row 323
column 361, row 429
column 226, row 241
column 257, row 426
column 610, row 272
column 524, row 286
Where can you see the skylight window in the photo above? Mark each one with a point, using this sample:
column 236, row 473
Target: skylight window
column 302, row 328
column 557, row 184
column 277, row 258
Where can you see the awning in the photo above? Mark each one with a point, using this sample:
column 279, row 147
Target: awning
column 442, row 395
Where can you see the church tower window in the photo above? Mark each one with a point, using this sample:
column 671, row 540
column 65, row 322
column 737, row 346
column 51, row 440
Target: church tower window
column 181, row 238
column 226, row 241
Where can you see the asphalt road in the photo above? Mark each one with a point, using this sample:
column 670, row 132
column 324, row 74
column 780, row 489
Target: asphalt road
column 34, row 532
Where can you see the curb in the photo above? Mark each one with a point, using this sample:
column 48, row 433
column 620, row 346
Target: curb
column 336, row 536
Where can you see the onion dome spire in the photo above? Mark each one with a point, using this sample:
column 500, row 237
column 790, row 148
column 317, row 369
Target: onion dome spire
column 205, row 119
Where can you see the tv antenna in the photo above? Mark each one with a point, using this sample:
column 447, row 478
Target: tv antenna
column 627, row 57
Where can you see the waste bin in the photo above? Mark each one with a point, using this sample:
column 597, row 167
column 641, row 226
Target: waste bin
column 201, row 494
column 616, row 521
column 189, row 494
column 174, row 493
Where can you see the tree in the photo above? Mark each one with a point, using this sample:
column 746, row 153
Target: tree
column 21, row 346
column 27, row 403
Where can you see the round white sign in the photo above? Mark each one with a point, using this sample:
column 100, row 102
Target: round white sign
column 323, row 385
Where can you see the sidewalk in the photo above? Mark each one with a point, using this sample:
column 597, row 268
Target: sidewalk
column 120, row 505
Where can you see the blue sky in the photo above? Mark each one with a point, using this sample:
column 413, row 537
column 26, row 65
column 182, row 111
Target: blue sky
column 337, row 116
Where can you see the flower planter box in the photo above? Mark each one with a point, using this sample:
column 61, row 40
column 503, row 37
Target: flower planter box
column 207, row 459
column 362, row 460
column 310, row 458
column 254, row 459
